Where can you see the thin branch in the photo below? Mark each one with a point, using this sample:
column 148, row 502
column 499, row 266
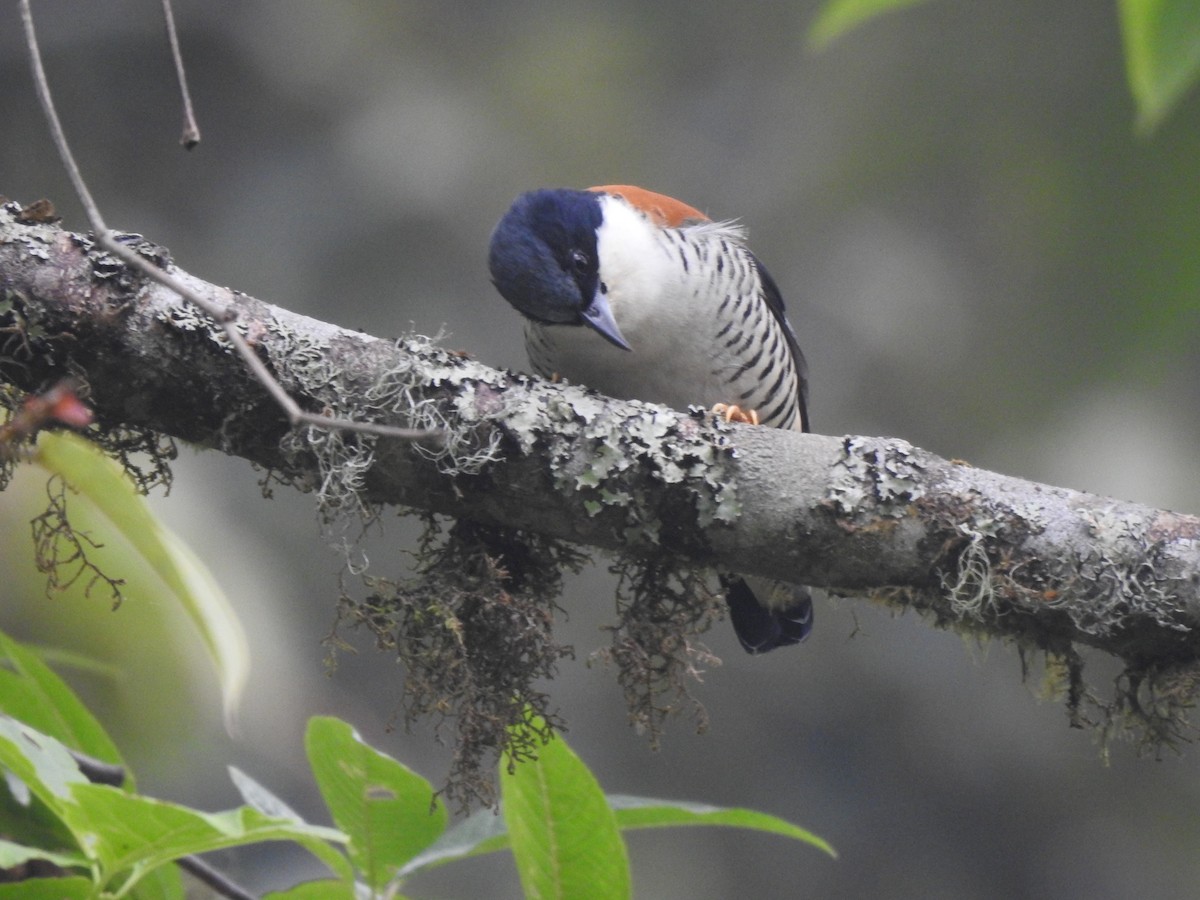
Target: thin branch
column 42, row 86
column 225, row 315
column 97, row 771
column 214, row 878
column 191, row 131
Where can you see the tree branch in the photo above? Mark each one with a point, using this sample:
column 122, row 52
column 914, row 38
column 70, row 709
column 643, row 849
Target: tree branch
column 986, row 553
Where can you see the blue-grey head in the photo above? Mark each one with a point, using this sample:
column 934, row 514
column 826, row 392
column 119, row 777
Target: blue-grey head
column 544, row 260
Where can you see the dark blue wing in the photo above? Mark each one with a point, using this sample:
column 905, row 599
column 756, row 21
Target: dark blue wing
column 774, row 301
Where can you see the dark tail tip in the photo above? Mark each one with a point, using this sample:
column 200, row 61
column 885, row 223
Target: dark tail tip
column 761, row 629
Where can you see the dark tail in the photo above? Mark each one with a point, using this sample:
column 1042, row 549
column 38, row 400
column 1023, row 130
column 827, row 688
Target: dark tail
column 761, row 629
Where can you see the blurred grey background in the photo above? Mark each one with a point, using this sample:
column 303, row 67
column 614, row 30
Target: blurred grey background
column 977, row 252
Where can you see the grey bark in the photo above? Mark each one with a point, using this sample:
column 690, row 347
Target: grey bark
column 983, row 552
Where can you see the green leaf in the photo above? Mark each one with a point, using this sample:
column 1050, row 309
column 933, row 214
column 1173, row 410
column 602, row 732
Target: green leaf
column 163, row 883
column 320, row 890
column 537, row 792
column 644, row 812
column 31, row 692
column 96, row 477
column 58, row 658
column 129, row 833
column 42, row 764
column 839, row 16
column 483, row 832
column 387, row 810
column 38, row 766
column 128, row 837
column 48, row 889
column 564, row 834
column 13, row 854
column 33, row 824
column 1162, row 54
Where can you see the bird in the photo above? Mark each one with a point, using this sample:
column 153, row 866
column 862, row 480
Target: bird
column 642, row 297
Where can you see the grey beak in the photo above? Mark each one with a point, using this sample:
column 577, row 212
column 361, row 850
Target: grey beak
column 599, row 316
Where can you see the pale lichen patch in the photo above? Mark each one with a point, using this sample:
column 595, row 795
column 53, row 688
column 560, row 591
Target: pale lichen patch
column 599, row 455
column 882, row 472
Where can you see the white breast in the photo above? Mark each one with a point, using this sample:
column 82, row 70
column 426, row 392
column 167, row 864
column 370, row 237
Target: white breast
column 678, row 295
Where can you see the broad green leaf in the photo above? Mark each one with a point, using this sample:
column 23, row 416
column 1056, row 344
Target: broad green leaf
column 839, row 16
column 1162, row 54
column 31, row 692
column 41, row 763
column 387, row 810
column 644, row 812
column 129, row 833
column 564, row 834
column 31, row 823
column 163, row 883
column 130, row 836
column 48, row 889
column 96, row 477
column 320, row 890
column 12, row 854
column 58, row 658
column 483, row 832
column 38, row 766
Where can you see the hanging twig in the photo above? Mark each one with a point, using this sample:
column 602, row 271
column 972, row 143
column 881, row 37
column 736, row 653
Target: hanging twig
column 191, row 131
column 225, row 316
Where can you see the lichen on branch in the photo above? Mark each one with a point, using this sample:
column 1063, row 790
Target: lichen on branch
column 1055, row 571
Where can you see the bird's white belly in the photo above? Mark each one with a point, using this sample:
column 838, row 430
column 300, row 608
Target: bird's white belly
column 690, row 304
column 679, row 374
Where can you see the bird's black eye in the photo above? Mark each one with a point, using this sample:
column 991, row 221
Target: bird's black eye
column 580, row 261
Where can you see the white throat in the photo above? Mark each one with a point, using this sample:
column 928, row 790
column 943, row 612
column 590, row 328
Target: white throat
column 635, row 270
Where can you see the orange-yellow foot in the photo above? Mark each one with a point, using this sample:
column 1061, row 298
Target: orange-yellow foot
column 731, row 413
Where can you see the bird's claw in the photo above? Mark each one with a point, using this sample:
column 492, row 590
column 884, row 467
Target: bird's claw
column 731, row 413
